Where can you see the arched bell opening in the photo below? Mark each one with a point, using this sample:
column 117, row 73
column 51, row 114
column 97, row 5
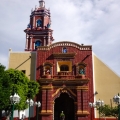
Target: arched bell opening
column 66, row 104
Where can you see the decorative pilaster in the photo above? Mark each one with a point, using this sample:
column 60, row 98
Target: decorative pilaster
column 49, row 101
column 82, row 103
column 26, row 46
column 31, row 43
column 46, row 101
column 43, row 110
column 79, row 101
column 34, row 21
column 43, row 70
column 49, row 38
column 52, row 71
column 85, row 99
column 44, row 41
column 77, row 69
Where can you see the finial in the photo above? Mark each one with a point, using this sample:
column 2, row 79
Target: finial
column 31, row 10
column 41, row 3
column 10, row 49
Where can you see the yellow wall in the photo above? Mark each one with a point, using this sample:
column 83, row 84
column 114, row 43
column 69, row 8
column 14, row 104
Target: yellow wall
column 23, row 61
column 106, row 82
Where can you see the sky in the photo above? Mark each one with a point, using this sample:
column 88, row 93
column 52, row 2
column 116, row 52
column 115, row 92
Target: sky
column 91, row 22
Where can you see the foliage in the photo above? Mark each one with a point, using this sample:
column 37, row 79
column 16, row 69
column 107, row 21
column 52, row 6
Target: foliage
column 5, row 88
column 108, row 111
column 14, row 81
column 33, row 89
column 115, row 111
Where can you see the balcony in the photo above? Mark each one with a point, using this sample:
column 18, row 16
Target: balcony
column 64, row 73
column 65, row 76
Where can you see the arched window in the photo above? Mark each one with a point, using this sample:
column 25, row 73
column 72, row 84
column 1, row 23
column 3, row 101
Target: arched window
column 39, row 23
column 37, row 44
column 64, row 68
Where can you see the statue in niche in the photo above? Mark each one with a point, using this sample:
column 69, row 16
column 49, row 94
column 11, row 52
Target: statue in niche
column 48, row 25
column 29, row 26
column 64, row 50
column 82, row 71
column 62, row 116
column 39, row 23
column 48, row 71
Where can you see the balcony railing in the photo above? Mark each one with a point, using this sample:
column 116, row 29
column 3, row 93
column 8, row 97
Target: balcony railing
column 65, row 75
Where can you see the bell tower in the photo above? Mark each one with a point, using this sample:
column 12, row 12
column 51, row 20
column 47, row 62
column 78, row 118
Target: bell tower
column 38, row 31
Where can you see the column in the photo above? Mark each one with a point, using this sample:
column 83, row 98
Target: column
column 43, row 110
column 44, row 42
column 26, row 46
column 31, row 43
column 79, row 101
column 85, row 100
column 49, row 38
column 52, row 71
column 77, row 70
column 44, row 70
column 49, row 100
column 34, row 22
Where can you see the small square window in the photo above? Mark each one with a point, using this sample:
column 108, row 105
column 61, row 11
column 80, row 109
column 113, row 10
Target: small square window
column 64, row 50
column 24, row 71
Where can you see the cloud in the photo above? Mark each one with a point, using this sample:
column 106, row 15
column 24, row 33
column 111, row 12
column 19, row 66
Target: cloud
column 93, row 22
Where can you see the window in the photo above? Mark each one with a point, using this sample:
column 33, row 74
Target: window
column 24, row 71
column 64, row 68
column 64, row 50
column 39, row 23
column 37, row 44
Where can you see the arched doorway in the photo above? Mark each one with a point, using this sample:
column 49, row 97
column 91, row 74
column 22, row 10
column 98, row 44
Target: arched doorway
column 66, row 104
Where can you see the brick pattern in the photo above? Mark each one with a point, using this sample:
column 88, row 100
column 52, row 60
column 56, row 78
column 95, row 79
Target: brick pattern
column 85, row 99
column 79, row 100
column 83, row 118
column 82, row 96
column 49, row 100
column 44, row 100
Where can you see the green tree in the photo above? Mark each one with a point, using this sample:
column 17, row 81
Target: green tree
column 104, row 110
column 15, row 81
column 3, row 91
column 115, row 111
column 108, row 111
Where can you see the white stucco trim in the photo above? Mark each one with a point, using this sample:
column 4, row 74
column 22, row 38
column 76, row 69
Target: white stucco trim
column 94, row 81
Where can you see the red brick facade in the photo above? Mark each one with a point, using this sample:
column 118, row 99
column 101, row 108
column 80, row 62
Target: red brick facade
column 80, row 87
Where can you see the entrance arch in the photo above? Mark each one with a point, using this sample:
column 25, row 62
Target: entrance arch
column 66, row 104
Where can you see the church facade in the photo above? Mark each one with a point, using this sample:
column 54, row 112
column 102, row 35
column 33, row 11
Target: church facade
column 68, row 73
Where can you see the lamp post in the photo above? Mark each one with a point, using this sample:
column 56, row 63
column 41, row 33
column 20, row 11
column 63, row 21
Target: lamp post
column 14, row 99
column 38, row 104
column 116, row 99
column 99, row 103
column 92, row 105
column 30, row 102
